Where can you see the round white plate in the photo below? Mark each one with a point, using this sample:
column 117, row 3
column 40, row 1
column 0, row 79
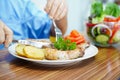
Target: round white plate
column 89, row 52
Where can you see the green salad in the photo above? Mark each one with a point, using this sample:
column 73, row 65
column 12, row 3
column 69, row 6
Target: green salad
column 103, row 26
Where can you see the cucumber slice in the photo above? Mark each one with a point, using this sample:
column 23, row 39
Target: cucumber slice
column 103, row 39
column 98, row 30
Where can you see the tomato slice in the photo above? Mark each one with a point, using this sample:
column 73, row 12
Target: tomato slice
column 80, row 41
column 74, row 33
column 77, row 40
column 76, row 37
column 118, row 18
column 110, row 19
column 115, row 29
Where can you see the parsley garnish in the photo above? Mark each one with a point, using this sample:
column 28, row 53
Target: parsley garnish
column 62, row 44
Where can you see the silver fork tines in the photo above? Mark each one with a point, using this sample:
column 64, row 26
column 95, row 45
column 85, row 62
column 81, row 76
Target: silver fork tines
column 57, row 31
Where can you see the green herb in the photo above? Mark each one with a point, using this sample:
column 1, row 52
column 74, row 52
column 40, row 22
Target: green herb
column 97, row 8
column 62, row 44
column 112, row 9
column 98, row 12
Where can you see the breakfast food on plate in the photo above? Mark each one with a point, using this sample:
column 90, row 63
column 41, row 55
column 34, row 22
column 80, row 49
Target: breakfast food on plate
column 19, row 49
column 29, row 51
column 33, row 52
column 76, row 37
column 54, row 54
column 103, row 26
column 70, row 47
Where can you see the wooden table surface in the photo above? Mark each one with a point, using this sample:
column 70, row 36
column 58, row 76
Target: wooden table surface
column 104, row 66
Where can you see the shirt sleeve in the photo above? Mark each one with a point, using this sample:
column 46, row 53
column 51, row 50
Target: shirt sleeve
column 37, row 21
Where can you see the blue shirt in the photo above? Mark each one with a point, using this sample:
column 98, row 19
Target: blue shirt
column 24, row 19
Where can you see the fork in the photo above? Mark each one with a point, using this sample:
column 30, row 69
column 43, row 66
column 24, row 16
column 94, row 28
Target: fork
column 40, row 44
column 57, row 30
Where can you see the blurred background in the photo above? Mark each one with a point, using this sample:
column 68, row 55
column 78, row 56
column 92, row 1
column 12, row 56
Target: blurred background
column 78, row 11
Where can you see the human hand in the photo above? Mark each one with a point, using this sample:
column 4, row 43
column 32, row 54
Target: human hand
column 56, row 9
column 6, row 34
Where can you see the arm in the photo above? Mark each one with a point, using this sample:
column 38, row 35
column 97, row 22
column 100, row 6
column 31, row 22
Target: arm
column 57, row 10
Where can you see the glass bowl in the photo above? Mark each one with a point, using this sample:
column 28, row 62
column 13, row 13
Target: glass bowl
column 103, row 34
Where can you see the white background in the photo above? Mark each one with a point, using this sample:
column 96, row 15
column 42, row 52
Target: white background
column 78, row 11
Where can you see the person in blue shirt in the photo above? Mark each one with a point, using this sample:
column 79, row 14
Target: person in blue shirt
column 21, row 19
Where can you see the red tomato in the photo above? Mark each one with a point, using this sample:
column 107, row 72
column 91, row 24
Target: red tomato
column 108, row 19
column 74, row 33
column 115, row 29
column 80, row 41
column 90, row 24
column 76, row 37
column 118, row 19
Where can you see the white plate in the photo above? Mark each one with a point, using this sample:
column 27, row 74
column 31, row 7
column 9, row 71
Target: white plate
column 89, row 52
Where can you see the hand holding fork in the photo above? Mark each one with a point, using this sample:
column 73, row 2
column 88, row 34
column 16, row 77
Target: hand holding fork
column 57, row 10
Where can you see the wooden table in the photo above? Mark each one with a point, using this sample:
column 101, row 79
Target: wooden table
column 104, row 66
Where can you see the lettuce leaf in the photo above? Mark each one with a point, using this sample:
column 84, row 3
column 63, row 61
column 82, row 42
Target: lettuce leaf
column 97, row 8
column 112, row 9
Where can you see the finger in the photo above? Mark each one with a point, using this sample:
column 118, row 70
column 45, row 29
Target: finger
column 61, row 14
column 54, row 8
column 49, row 5
column 60, row 11
column 9, row 36
column 2, row 34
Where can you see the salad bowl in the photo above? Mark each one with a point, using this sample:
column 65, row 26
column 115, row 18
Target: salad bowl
column 103, row 24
